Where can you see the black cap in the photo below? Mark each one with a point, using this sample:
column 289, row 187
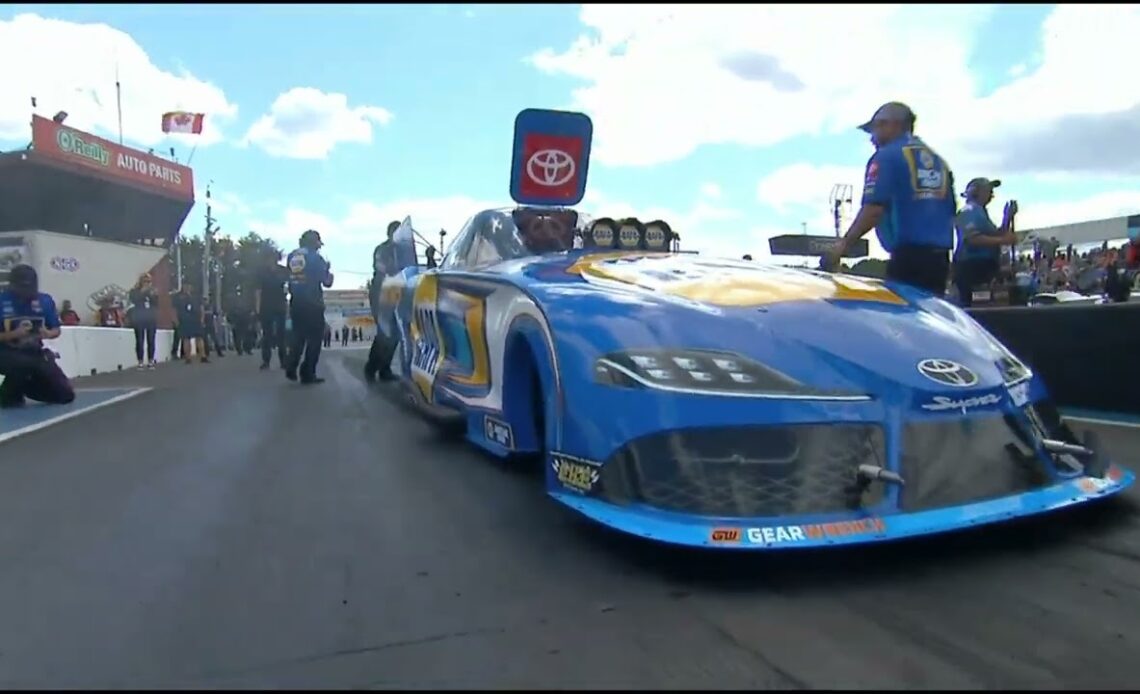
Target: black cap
column 23, row 277
column 891, row 111
column 976, row 183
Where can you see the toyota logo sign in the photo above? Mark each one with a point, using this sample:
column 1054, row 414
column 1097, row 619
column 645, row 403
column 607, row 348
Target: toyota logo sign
column 550, row 167
column 947, row 373
column 551, row 157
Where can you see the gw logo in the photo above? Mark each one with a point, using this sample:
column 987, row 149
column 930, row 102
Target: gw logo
column 499, row 432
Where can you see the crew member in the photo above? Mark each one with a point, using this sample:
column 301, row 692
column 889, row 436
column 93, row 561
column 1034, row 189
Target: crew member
column 269, row 305
column 908, row 197
column 379, row 363
column 309, row 274
column 977, row 257
column 27, row 318
column 241, row 322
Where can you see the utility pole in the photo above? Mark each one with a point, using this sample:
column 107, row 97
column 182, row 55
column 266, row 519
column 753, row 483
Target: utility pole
column 841, row 194
column 178, row 258
column 207, row 238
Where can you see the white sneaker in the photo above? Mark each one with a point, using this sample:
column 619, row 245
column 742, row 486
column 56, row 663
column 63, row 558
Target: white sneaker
column 141, row 365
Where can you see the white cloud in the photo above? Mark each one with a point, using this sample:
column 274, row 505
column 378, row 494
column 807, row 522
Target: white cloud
column 792, row 188
column 71, row 67
column 664, row 80
column 306, row 123
column 711, row 191
column 365, row 223
column 227, row 203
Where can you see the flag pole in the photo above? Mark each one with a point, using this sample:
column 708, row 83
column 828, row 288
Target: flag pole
column 192, row 150
column 119, row 100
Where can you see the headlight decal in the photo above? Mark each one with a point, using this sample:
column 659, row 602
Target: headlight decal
column 706, row 372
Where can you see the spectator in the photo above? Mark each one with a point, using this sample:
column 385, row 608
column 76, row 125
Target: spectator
column 329, row 335
column 143, row 316
column 68, row 316
column 190, row 323
column 110, row 315
column 27, row 318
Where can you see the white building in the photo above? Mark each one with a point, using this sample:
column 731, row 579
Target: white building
column 349, row 307
column 1114, row 230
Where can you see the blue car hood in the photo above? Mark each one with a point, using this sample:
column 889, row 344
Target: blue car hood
column 839, row 332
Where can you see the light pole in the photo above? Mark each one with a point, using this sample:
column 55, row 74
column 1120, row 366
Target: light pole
column 841, row 194
column 207, row 237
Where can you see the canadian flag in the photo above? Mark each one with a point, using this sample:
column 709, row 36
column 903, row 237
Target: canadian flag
column 183, row 122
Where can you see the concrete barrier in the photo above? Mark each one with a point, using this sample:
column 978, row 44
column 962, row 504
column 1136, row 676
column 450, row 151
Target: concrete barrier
column 85, row 350
column 1086, row 354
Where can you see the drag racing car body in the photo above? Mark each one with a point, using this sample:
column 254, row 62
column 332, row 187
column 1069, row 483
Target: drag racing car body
column 703, row 401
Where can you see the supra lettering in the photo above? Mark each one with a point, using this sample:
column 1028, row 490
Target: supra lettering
column 941, row 402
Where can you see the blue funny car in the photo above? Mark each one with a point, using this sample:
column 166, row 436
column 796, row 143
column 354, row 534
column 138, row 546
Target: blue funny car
column 713, row 402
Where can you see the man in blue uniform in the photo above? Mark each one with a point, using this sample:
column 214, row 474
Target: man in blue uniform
column 977, row 257
column 309, row 274
column 27, row 318
column 908, row 197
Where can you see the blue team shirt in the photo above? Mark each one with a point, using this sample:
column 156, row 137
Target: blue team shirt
column 40, row 311
column 307, row 270
column 916, row 187
column 975, row 219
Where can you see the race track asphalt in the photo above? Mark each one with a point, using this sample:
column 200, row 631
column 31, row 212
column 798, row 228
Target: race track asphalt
column 231, row 529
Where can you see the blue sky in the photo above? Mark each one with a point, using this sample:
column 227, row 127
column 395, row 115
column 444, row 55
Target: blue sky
column 431, row 92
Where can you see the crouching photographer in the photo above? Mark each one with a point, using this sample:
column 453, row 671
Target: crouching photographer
column 27, row 318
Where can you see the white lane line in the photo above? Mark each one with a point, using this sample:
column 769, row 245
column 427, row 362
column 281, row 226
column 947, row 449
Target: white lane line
column 73, row 413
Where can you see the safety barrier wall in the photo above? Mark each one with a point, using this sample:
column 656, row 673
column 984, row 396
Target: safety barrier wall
column 84, row 351
column 1087, row 355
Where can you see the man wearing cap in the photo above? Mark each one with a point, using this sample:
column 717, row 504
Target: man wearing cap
column 977, row 257
column 27, row 318
column 908, row 198
column 309, row 274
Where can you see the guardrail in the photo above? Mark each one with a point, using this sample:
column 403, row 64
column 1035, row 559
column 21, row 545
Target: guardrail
column 1085, row 354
